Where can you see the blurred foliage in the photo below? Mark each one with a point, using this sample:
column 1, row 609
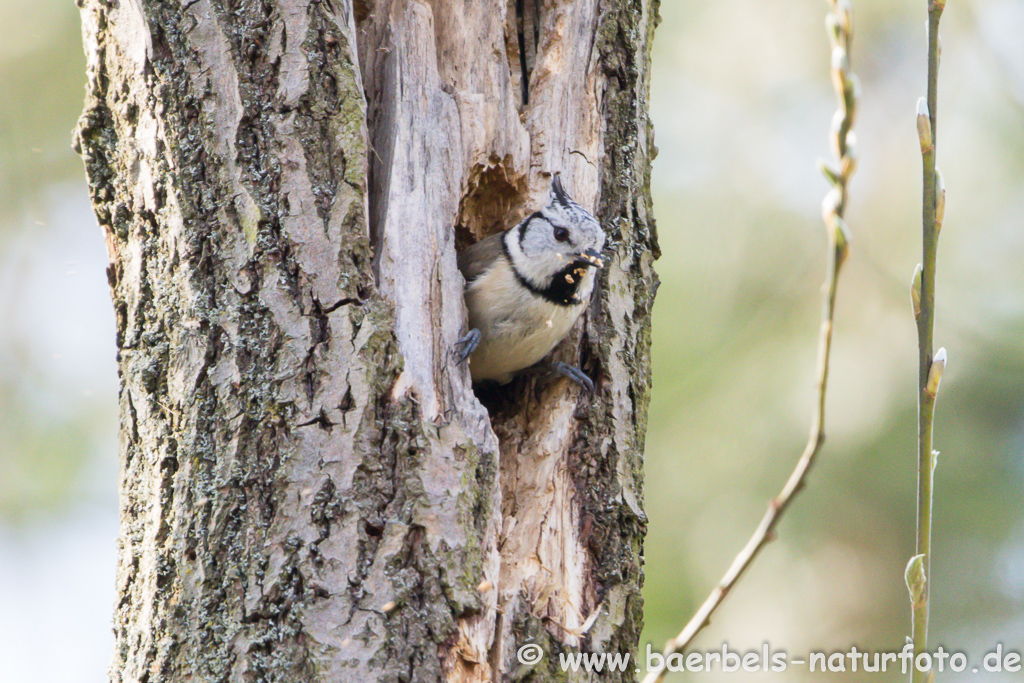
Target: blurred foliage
column 42, row 76
column 49, row 433
column 742, row 105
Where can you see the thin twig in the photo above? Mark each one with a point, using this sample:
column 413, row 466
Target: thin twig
column 840, row 26
column 918, row 573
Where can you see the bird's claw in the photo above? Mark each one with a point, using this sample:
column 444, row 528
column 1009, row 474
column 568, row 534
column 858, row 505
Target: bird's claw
column 465, row 347
column 574, row 374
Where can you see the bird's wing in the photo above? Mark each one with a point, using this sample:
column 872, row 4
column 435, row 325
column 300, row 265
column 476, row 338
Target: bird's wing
column 476, row 259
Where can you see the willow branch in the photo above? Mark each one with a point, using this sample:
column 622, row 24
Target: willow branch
column 840, row 27
column 930, row 368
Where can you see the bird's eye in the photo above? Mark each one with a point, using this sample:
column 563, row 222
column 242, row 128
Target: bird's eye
column 561, row 234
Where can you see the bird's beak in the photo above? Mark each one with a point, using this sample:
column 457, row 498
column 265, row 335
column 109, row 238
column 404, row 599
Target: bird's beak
column 593, row 258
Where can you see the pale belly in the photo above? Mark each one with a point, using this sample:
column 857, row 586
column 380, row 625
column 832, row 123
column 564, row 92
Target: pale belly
column 518, row 329
column 508, row 350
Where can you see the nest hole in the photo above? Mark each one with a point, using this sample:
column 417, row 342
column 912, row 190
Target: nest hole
column 493, row 201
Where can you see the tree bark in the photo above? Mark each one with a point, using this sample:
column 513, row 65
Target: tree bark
column 310, row 488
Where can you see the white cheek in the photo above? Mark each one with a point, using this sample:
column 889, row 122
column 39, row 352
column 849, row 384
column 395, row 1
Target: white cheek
column 540, row 269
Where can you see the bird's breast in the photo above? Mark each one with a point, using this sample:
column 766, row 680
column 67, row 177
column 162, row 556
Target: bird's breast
column 518, row 327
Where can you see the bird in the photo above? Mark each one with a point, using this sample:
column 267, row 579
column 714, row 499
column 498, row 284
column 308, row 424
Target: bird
column 527, row 286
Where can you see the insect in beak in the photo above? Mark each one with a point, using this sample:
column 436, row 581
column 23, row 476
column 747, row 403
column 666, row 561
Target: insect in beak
column 593, row 258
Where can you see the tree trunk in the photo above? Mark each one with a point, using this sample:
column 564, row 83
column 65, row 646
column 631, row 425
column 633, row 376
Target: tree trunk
column 310, row 488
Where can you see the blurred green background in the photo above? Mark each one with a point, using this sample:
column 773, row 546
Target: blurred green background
column 742, row 104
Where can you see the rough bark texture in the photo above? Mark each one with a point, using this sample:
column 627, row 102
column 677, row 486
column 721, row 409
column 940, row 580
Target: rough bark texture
column 310, row 489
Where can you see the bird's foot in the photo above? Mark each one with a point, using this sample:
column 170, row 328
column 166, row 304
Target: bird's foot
column 465, row 347
column 574, row 374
